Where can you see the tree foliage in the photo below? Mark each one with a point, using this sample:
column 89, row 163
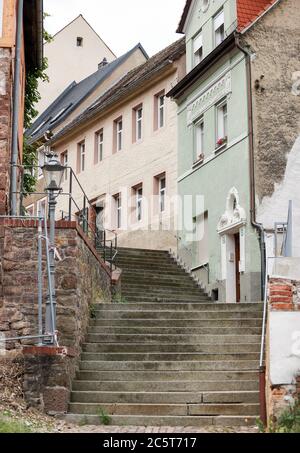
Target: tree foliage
column 32, row 96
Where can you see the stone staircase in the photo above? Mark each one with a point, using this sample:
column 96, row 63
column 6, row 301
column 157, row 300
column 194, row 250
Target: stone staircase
column 165, row 355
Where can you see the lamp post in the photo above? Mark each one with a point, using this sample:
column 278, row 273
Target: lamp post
column 53, row 173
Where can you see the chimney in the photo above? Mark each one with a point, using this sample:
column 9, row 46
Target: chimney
column 103, row 63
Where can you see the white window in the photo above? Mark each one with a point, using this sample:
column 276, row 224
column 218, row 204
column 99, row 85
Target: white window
column 198, row 49
column 162, row 193
column 161, row 110
column 64, row 162
column 118, row 202
column 1, row 16
column 81, row 157
column 42, row 207
column 100, row 145
column 199, row 129
column 222, row 123
column 119, row 132
column 30, row 210
column 138, row 123
column 202, row 239
column 41, row 163
column 139, row 203
column 219, row 30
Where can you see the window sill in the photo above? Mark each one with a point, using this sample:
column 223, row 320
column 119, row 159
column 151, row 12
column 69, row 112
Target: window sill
column 220, row 148
column 198, row 163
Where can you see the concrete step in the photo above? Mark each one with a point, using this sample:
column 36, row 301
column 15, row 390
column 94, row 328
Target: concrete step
column 212, row 306
column 172, row 347
column 157, row 286
column 175, row 421
column 208, row 365
column 164, row 356
column 113, row 330
column 240, row 409
column 163, row 298
column 211, row 387
column 157, row 278
column 91, row 375
column 180, row 323
column 251, row 397
column 172, row 339
column 117, row 313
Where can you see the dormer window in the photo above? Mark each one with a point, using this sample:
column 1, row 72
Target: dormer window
column 198, row 49
column 219, row 28
column 79, row 41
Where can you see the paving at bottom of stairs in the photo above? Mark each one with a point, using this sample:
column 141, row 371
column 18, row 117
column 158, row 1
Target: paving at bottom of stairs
column 66, row 428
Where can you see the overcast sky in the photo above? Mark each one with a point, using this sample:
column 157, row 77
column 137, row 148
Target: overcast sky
column 121, row 23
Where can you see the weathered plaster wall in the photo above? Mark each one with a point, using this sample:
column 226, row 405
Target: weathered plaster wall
column 274, row 41
column 283, row 346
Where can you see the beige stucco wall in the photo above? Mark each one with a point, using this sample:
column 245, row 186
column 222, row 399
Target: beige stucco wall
column 67, row 62
column 136, row 163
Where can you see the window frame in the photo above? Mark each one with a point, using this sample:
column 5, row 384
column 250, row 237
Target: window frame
column 162, row 191
column 99, row 151
column 79, row 41
column 139, row 203
column 139, row 123
column 199, row 153
column 82, row 156
column 219, row 106
column 119, row 134
column 217, row 30
column 39, row 202
column 196, row 57
column 64, row 159
column 31, row 206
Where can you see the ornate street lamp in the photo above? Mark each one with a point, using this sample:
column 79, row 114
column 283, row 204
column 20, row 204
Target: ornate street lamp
column 53, row 173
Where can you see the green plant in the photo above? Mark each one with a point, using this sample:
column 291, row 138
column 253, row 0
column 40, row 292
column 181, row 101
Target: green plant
column 8, row 425
column 105, row 419
column 288, row 422
column 32, row 96
column 92, row 311
column 83, row 421
column 120, row 299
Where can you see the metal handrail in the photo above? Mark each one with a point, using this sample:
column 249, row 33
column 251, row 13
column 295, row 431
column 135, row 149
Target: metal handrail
column 108, row 244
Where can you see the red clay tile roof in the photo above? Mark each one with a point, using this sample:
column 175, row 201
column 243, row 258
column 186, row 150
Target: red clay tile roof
column 249, row 10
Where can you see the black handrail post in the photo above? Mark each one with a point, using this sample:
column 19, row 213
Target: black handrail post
column 70, row 194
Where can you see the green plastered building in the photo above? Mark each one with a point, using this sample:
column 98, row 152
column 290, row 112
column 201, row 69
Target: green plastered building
column 218, row 239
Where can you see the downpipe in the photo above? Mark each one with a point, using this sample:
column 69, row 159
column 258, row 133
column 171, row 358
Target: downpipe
column 258, row 226
column 16, row 109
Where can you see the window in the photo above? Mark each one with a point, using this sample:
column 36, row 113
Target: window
column 99, row 146
column 219, row 30
column 41, row 163
column 222, row 126
column 159, row 110
column 162, row 193
column 199, row 139
column 139, row 203
column 30, row 210
column 79, row 41
column 118, row 134
column 118, row 204
column 201, row 224
column 1, row 16
column 64, row 162
column 81, row 157
column 198, row 49
column 138, row 123
column 42, row 207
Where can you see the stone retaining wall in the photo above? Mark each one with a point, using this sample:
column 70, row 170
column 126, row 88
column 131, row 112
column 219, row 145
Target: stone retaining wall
column 82, row 279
